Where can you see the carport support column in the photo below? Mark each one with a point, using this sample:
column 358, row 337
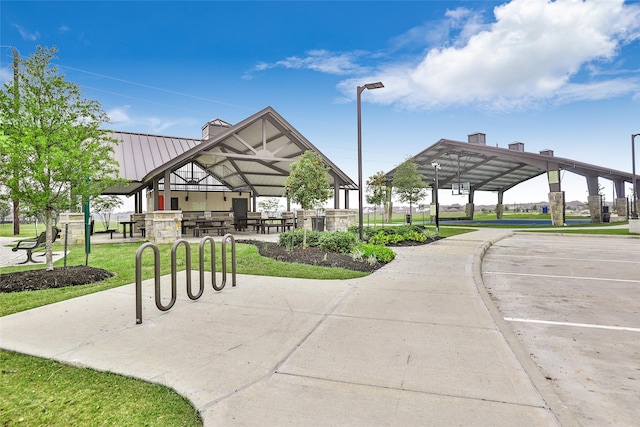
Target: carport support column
column 470, row 207
column 500, row 206
column 621, row 208
column 594, row 200
column 556, row 207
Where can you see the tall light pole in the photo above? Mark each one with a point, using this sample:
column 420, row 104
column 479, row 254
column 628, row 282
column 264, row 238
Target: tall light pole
column 359, row 91
column 634, row 197
column 436, row 166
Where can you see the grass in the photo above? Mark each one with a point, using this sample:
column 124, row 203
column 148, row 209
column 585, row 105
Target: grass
column 39, row 392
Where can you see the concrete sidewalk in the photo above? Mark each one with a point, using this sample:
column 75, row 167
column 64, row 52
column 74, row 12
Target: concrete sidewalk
column 412, row 344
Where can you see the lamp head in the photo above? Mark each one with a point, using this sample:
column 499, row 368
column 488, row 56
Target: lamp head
column 376, row 85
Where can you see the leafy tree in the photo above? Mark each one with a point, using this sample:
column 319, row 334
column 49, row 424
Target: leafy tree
column 55, row 152
column 104, row 206
column 307, row 183
column 5, row 209
column 409, row 184
column 376, row 192
column 270, row 205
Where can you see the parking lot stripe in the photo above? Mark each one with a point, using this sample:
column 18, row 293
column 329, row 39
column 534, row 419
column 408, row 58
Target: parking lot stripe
column 561, row 277
column 579, row 325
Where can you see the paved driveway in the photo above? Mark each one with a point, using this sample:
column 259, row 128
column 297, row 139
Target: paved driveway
column 574, row 302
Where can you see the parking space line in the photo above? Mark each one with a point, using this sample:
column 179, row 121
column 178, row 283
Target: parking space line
column 564, row 259
column 561, row 277
column 579, row 325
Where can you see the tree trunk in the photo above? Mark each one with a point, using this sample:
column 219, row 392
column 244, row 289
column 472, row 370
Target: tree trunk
column 48, row 220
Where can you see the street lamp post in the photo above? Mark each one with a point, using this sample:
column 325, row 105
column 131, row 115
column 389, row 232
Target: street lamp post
column 634, row 196
column 359, row 91
column 436, row 166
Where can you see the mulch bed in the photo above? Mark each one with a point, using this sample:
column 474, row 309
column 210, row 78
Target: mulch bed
column 83, row 275
column 32, row 280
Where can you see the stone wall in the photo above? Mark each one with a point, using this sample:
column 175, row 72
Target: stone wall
column 75, row 222
column 303, row 219
column 163, row 226
column 340, row 219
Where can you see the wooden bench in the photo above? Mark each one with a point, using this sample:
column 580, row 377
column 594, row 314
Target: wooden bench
column 34, row 244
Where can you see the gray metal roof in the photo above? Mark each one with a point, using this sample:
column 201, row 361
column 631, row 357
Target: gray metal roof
column 253, row 155
column 488, row 168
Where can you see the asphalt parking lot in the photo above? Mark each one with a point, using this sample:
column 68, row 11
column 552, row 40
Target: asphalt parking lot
column 574, row 303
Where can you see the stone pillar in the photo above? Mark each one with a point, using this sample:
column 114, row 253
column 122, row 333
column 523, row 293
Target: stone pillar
column 556, row 208
column 621, row 208
column 499, row 210
column 75, row 222
column 468, row 210
column 634, row 226
column 163, row 226
column 303, row 219
column 340, row 219
column 140, row 222
column 595, row 208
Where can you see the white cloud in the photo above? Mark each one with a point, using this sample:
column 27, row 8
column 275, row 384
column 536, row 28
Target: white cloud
column 119, row 115
column 317, row 60
column 26, row 35
column 531, row 53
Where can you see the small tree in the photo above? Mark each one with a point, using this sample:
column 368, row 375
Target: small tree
column 104, row 206
column 376, row 192
column 409, row 184
column 270, row 206
column 307, row 183
column 55, row 151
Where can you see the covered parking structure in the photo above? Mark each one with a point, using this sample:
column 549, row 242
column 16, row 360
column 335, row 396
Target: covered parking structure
column 467, row 167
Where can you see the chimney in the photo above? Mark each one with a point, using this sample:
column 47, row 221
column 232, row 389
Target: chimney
column 546, row 152
column 516, row 146
column 213, row 128
column 478, row 138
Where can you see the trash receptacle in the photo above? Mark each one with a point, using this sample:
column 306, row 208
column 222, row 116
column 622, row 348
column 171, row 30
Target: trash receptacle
column 408, row 218
column 317, row 223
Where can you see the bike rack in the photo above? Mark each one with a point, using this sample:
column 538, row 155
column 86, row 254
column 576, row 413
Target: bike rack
column 174, row 272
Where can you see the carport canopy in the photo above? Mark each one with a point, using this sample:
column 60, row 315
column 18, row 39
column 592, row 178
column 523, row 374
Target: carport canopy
column 496, row 169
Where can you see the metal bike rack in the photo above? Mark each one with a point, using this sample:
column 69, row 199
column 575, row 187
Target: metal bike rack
column 224, row 260
column 174, row 272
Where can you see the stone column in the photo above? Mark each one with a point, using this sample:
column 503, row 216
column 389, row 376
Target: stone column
column 556, row 207
column 75, row 222
column 469, row 210
column 340, row 219
column 595, row 208
column 163, row 226
column 499, row 210
column 303, row 219
column 621, row 208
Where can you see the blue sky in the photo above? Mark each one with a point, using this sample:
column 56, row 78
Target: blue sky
column 562, row 75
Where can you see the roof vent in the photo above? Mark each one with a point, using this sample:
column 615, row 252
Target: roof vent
column 546, row 153
column 516, row 146
column 478, row 138
column 213, row 128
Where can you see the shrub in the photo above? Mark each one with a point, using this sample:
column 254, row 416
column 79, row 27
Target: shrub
column 337, row 241
column 293, row 239
column 382, row 253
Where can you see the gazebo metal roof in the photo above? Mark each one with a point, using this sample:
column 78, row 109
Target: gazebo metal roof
column 254, row 155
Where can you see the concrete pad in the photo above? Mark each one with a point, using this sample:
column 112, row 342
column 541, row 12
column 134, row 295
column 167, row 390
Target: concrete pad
column 301, row 401
column 448, row 360
column 417, row 307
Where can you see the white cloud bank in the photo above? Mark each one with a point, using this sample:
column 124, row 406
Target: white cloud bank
column 533, row 52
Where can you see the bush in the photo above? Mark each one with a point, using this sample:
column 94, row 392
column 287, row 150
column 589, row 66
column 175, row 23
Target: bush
column 382, row 253
column 293, row 239
column 337, row 241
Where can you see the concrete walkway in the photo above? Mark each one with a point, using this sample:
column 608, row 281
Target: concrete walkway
column 413, row 344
